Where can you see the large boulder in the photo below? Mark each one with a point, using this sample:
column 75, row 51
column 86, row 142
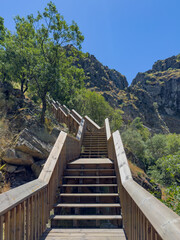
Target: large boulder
column 37, row 167
column 10, row 168
column 28, row 143
column 16, row 157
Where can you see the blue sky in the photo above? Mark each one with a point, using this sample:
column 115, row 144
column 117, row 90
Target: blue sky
column 127, row 35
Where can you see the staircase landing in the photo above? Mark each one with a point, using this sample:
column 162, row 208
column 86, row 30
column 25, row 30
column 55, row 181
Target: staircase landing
column 84, row 234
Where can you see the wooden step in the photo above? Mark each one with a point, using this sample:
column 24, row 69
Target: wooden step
column 84, row 234
column 91, row 161
column 89, row 170
column 89, row 185
column 87, row 217
column 95, row 150
column 86, row 205
column 92, row 155
column 92, row 177
column 89, row 194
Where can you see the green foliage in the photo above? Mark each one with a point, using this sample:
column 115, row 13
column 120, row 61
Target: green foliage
column 138, row 126
column 161, row 156
column 132, row 140
column 36, row 56
column 94, row 106
column 167, row 170
column 115, row 120
column 173, row 198
column 155, row 148
column 2, row 29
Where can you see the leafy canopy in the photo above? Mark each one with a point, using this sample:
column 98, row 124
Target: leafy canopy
column 36, row 57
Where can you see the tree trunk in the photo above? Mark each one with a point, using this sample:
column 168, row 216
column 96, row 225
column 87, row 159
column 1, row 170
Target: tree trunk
column 43, row 110
column 22, row 87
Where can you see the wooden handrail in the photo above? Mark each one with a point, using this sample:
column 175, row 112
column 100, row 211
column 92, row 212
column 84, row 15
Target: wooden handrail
column 144, row 216
column 107, row 129
column 25, row 210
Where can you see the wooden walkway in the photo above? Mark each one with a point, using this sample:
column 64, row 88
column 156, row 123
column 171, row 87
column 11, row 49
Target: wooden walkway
column 84, row 234
column 88, row 207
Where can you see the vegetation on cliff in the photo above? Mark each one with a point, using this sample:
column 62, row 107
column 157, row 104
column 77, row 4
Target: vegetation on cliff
column 159, row 156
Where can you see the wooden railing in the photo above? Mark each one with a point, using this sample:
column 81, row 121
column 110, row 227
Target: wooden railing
column 144, row 216
column 25, row 210
column 63, row 115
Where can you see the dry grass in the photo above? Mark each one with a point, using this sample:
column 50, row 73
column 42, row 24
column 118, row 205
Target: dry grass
column 6, row 135
column 136, row 170
column 6, row 187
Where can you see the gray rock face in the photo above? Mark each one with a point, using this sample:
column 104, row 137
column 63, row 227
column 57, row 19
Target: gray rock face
column 144, row 108
column 15, row 157
column 163, row 85
column 163, row 65
column 37, row 167
column 30, row 144
column 10, row 168
column 101, row 77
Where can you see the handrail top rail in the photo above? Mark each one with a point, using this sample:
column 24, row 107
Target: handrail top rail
column 60, row 107
column 92, row 122
column 108, row 130
column 76, row 113
column 74, row 118
column 13, row 197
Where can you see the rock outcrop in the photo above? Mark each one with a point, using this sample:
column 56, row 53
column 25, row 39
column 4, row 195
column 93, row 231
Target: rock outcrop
column 162, row 83
column 154, row 96
column 15, row 157
column 101, row 79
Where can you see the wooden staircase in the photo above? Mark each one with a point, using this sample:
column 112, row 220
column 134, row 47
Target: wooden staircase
column 88, row 198
column 94, row 145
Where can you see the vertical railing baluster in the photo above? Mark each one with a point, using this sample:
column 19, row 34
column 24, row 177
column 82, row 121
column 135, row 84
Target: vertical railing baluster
column 1, row 227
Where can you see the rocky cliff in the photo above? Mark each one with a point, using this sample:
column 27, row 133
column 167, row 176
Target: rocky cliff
column 162, row 83
column 154, row 95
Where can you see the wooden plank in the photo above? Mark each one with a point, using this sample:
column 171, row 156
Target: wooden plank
column 18, row 222
column 89, row 195
column 13, row 224
column 87, row 217
column 89, row 185
column 1, row 227
column 7, row 226
column 73, row 177
column 50, row 164
column 88, row 234
column 28, row 219
column 89, row 170
column 91, row 161
column 86, row 205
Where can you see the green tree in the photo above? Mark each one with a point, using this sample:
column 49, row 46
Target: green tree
column 37, row 55
column 138, row 125
column 17, row 53
column 156, row 148
column 96, row 107
column 167, row 170
column 132, row 140
column 52, row 33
